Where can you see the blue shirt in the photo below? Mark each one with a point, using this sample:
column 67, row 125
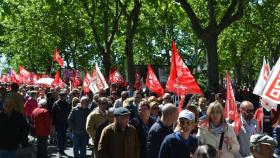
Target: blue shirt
column 174, row 145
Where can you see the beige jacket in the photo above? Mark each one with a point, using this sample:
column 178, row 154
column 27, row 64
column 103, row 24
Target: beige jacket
column 206, row 137
column 94, row 119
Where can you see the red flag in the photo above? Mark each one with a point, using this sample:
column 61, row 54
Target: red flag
column 116, row 77
column 14, row 76
column 26, row 76
column 138, row 82
column 152, row 82
column 230, row 111
column 57, row 80
column 181, row 103
column 86, row 82
column 75, row 82
column 57, row 58
column 180, row 78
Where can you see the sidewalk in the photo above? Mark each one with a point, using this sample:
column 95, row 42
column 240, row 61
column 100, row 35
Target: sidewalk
column 30, row 151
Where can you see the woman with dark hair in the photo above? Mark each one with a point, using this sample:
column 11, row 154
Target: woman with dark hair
column 206, row 151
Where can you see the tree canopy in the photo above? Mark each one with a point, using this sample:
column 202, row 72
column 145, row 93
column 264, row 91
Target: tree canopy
column 125, row 33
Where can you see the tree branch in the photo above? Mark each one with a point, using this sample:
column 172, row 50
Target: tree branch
column 92, row 25
column 115, row 22
column 194, row 19
column 211, row 12
column 229, row 17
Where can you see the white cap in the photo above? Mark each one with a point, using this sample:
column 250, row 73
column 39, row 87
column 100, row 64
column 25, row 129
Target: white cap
column 186, row 114
column 42, row 102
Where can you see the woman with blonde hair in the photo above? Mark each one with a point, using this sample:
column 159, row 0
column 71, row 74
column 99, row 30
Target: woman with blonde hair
column 218, row 133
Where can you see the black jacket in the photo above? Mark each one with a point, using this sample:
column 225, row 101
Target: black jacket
column 12, row 130
column 60, row 112
column 142, row 132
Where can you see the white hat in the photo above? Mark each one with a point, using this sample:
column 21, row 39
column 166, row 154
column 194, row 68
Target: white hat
column 186, row 114
column 42, row 102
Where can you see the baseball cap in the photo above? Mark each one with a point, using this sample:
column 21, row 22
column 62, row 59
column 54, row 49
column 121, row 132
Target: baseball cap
column 186, row 114
column 262, row 139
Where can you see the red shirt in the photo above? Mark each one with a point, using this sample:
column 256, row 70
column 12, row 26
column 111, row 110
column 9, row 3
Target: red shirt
column 42, row 121
column 29, row 106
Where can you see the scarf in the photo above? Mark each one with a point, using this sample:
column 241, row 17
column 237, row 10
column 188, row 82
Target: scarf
column 217, row 129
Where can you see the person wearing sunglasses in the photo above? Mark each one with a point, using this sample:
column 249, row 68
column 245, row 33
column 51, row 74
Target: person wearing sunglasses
column 249, row 127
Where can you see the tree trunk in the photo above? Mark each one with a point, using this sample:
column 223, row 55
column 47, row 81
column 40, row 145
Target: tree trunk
column 129, row 54
column 212, row 62
column 106, row 61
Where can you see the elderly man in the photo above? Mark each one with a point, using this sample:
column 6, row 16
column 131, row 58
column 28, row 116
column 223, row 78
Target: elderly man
column 77, row 122
column 119, row 102
column 163, row 127
column 249, row 127
column 262, row 146
column 119, row 139
column 42, row 123
column 95, row 118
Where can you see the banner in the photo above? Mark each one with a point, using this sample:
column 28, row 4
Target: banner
column 180, row 79
column 98, row 81
column 57, row 58
column 231, row 112
column 86, row 83
column 116, row 77
column 152, row 82
column 271, row 89
column 263, row 77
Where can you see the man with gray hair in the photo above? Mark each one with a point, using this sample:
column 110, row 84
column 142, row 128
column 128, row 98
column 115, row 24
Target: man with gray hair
column 163, row 127
column 77, row 122
column 262, row 146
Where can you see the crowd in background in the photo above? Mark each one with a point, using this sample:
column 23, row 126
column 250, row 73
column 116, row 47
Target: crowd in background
column 128, row 123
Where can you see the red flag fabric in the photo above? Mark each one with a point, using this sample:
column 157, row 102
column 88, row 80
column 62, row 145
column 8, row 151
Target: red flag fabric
column 138, row 82
column 57, row 58
column 75, row 82
column 57, row 80
column 152, row 82
column 180, row 78
column 26, row 76
column 271, row 90
column 116, row 77
column 230, row 111
column 86, row 83
column 14, row 76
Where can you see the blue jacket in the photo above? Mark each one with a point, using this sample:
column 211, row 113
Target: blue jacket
column 174, row 145
column 77, row 120
column 155, row 137
column 276, row 136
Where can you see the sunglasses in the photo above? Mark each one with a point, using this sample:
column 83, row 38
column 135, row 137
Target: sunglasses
column 249, row 111
column 155, row 108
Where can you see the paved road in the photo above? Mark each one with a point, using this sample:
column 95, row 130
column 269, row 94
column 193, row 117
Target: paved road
column 30, row 151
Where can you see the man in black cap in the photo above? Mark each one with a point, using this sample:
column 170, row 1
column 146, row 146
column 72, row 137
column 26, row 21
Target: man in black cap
column 119, row 139
column 60, row 112
column 262, row 146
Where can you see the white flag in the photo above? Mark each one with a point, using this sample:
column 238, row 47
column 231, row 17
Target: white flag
column 98, row 81
column 263, row 77
column 271, row 90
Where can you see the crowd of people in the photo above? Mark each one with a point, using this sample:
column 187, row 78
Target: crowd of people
column 128, row 123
